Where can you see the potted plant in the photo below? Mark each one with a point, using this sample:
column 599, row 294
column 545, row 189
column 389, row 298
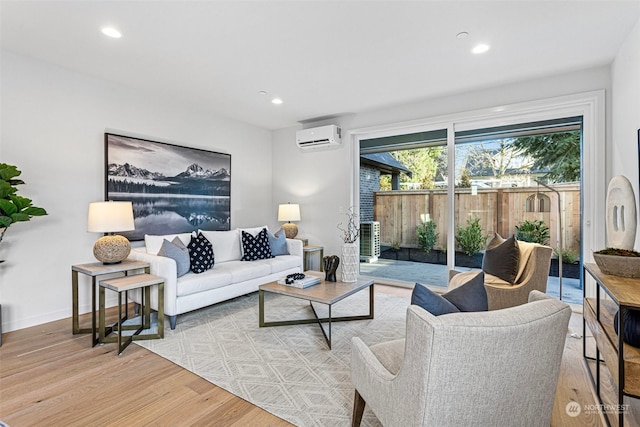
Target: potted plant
column 471, row 242
column 14, row 208
column 533, row 232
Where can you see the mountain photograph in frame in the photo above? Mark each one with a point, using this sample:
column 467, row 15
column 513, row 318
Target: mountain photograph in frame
column 173, row 189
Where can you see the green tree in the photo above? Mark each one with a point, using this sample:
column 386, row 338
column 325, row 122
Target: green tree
column 422, row 162
column 559, row 153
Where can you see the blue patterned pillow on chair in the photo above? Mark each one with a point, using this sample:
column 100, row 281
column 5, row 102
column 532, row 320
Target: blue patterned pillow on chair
column 255, row 248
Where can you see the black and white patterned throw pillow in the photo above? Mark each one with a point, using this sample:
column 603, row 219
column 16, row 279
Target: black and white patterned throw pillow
column 200, row 254
column 257, row 247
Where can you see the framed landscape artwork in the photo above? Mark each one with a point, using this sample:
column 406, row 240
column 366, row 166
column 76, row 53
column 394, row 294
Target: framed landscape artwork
column 173, row 189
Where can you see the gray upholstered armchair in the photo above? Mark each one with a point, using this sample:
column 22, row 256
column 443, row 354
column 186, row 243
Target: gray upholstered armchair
column 533, row 276
column 488, row 368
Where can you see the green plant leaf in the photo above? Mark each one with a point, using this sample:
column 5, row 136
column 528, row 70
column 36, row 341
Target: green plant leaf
column 5, row 221
column 34, row 211
column 6, row 190
column 21, row 202
column 8, row 207
column 8, row 171
column 20, row 217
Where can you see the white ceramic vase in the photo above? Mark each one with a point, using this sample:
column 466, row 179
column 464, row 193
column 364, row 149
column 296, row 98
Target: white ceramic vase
column 349, row 262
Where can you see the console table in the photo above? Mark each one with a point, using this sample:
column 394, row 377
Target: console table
column 622, row 359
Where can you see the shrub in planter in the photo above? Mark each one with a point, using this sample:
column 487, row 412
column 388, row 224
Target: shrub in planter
column 427, row 235
column 470, row 238
column 533, row 232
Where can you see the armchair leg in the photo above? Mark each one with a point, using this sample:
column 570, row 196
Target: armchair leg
column 358, row 410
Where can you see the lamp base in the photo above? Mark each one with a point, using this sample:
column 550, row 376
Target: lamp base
column 111, row 249
column 290, row 230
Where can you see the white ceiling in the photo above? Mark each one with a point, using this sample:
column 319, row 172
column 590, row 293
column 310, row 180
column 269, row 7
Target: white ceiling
column 322, row 58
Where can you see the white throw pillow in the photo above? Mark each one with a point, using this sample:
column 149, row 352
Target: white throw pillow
column 226, row 244
column 154, row 243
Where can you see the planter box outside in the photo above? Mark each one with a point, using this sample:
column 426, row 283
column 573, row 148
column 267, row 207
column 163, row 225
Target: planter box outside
column 433, row 257
column 570, row 271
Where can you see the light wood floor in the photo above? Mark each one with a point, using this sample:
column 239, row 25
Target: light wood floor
column 50, row 377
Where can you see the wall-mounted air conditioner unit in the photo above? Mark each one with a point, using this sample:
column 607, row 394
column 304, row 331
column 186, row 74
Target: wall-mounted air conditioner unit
column 369, row 241
column 323, row 136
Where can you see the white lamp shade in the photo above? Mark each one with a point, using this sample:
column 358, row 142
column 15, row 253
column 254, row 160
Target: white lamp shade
column 110, row 217
column 289, row 212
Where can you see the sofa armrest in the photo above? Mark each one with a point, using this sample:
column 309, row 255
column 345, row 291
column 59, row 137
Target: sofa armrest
column 294, row 246
column 162, row 267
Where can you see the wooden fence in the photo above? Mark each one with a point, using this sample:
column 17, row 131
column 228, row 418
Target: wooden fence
column 499, row 210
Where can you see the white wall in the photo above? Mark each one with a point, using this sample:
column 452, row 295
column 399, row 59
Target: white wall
column 625, row 77
column 321, row 181
column 53, row 123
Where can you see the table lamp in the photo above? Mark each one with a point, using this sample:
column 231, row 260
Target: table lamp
column 289, row 212
column 110, row 217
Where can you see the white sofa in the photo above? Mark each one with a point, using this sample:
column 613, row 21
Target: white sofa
column 229, row 278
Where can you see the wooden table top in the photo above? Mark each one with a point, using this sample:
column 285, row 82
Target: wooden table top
column 624, row 290
column 324, row 292
column 98, row 268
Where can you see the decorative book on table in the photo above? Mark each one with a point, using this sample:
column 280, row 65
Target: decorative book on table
column 302, row 283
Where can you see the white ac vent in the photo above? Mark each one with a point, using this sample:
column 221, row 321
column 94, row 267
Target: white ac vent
column 323, row 136
column 369, row 241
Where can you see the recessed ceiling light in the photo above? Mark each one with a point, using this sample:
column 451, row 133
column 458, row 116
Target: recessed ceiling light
column 462, row 35
column 481, row 48
column 276, row 101
column 111, row 32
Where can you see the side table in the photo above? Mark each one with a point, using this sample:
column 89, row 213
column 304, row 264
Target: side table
column 307, row 251
column 93, row 270
column 124, row 285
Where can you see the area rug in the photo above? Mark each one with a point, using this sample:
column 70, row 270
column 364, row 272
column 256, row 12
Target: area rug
column 288, row 371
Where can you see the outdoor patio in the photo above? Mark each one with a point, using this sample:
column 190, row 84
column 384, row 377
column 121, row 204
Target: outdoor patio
column 437, row 275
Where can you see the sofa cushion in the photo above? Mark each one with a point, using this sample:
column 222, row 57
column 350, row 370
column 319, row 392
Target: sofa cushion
column 226, row 244
column 501, row 258
column 278, row 243
column 242, row 271
column 255, row 248
column 192, row 283
column 153, row 242
column 177, row 251
column 200, row 254
column 284, row 262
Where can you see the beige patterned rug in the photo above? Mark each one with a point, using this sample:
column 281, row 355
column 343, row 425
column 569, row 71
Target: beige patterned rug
column 286, row 370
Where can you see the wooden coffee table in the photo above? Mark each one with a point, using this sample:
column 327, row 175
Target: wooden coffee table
column 327, row 293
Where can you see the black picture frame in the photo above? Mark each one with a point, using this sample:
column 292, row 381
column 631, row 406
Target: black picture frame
column 173, row 189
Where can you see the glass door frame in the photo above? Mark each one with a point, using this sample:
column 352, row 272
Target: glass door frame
column 589, row 105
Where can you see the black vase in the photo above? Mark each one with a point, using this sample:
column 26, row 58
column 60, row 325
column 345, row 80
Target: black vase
column 631, row 326
column 330, row 264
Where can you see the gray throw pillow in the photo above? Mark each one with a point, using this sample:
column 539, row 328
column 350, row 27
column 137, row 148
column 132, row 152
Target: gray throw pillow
column 430, row 301
column 501, row 258
column 177, row 251
column 470, row 296
column 278, row 243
